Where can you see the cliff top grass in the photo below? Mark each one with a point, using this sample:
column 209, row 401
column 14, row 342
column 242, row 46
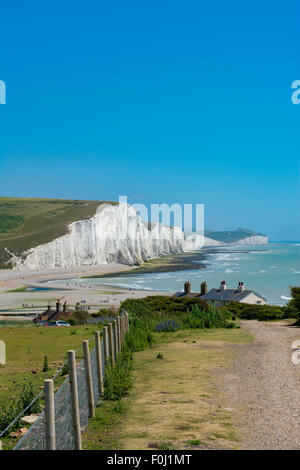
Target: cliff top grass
column 176, row 402
column 27, row 222
column 26, row 347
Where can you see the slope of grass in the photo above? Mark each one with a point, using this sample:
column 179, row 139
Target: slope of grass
column 26, row 347
column 26, row 223
column 174, row 403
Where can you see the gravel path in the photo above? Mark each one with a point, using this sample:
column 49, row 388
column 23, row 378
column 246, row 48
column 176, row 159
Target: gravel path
column 263, row 388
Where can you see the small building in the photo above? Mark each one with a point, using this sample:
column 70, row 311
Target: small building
column 222, row 295
column 61, row 311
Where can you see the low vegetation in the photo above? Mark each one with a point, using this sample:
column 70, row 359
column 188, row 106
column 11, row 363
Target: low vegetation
column 161, row 313
column 255, row 312
column 33, row 354
column 292, row 309
column 26, row 223
column 173, row 402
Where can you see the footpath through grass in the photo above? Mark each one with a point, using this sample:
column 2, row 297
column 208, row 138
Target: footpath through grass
column 175, row 402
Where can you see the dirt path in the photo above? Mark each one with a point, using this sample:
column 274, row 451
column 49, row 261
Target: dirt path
column 263, row 388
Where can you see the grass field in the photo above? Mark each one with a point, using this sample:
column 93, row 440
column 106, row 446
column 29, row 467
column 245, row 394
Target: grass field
column 26, row 223
column 175, row 402
column 26, row 347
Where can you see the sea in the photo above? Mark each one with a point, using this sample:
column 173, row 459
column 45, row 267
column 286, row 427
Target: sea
column 269, row 270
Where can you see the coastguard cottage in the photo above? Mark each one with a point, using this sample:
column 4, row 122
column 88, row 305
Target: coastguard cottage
column 222, row 295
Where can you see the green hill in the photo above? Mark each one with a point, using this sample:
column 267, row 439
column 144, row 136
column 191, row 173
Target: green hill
column 231, row 236
column 26, row 223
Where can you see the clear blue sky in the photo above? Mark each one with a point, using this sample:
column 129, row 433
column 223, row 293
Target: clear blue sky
column 165, row 101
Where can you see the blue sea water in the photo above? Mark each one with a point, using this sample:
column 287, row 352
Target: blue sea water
column 269, row 270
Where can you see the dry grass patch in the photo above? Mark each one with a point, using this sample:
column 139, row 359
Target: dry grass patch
column 175, row 402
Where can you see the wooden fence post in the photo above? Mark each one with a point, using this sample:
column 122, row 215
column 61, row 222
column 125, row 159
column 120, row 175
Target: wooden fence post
column 74, row 400
column 111, row 344
column 89, row 378
column 119, row 333
column 105, row 342
column 126, row 322
column 49, row 414
column 115, row 338
column 99, row 362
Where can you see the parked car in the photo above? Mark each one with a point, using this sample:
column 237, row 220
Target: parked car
column 58, row 323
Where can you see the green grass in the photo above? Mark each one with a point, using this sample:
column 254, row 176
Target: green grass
column 26, row 223
column 26, row 348
column 174, row 403
column 19, row 289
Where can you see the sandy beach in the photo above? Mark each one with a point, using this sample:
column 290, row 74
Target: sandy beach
column 22, row 304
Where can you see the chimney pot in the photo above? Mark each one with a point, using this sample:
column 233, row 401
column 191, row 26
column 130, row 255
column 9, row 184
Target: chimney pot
column 187, row 287
column 241, row 286
column 203, row 289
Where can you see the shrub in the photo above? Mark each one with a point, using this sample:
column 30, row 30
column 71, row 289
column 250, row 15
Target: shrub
column 292, row 309
column 8, row 414
column 118, row 379
column 46, row 365
column 162, row 307
column 80, row 317
column 27, row 396
column 254, row 311
column 211, row 318
column 65, row 369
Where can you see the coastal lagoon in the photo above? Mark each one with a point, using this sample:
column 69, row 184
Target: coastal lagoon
column 269, row 270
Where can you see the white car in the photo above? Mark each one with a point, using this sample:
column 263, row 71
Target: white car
column 58, row 323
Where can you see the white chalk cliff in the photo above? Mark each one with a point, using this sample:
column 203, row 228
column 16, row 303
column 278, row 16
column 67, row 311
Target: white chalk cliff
column 115, row 234
column 253, row 240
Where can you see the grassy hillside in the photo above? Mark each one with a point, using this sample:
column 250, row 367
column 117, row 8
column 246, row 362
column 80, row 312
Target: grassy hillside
column 231, row 236
column 26, row 223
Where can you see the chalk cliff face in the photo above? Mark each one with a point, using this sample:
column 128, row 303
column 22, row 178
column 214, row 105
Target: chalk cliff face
column 194, row 241
column 114, row 234
column 253, row 240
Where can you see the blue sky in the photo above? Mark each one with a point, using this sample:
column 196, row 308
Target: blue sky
column 165, row 101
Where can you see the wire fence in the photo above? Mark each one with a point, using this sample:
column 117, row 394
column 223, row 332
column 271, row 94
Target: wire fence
column 64, row 425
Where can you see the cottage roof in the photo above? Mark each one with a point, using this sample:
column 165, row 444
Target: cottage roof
column 232, row 295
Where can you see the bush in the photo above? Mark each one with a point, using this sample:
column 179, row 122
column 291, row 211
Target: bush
column 139, row 337
column 158, row 307
column 176, row 314
column 292, row 309
column 254, row 311
column 118, row 379
column 105, row 312
column 46, row 365
column 27, row 396
column 8, row 414
column 211, row 318
column 79, row 317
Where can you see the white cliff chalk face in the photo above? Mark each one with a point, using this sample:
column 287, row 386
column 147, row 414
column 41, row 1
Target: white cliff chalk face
column 195, row 241
column 115, row 234
column 253, row 240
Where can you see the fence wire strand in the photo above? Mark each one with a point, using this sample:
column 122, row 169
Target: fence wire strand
column 34, row 439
